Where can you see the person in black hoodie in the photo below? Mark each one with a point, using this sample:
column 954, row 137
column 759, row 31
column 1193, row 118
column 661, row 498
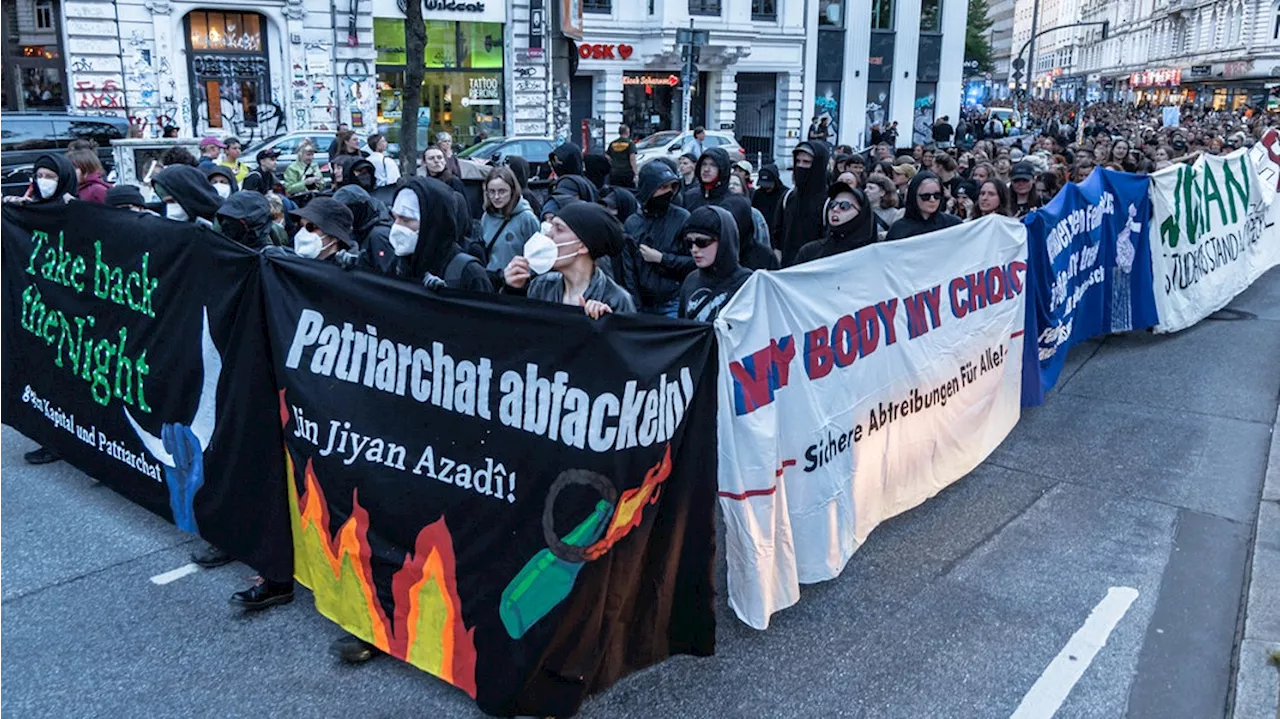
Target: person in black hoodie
column 800, row 217
column 655, row 262
column 371, row 223
column 712, row 238
column 596, row 168
column 567, row 190
column 850, row 224
column 354, row 170
column 924, row 209
column 424, row 240
column 566, row 160
column 769, row 193
column 713, row 180
column 246, row 218
column 187, row 193
column 54, row 181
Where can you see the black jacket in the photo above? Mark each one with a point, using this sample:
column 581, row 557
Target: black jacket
column 858, row 232
column 190, row 188
column 654, row 283
column 520, row 167
column 246, row 218
column 912, row 222
column 706, row 291
column 800, row 220
column 262, row 181
column 698, row 195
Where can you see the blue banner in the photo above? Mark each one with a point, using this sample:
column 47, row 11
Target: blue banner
column 1089, row 269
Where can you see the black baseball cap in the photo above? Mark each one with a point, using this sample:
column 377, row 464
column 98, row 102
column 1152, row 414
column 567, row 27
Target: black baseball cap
column 1023, row 171
column 269, row 152
column 331, row 216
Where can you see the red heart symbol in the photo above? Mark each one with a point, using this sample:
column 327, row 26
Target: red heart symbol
column 625, row 51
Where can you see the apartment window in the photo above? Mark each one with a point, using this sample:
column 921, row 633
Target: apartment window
column 44, row 15
column 704, row 7
column 602, row 6
column 831, row 13
column 1275, row 25
column 764, row 10
column 882, row 14
column 930, row 15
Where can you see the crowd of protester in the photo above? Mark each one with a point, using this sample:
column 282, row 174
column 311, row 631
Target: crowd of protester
column 674, row 237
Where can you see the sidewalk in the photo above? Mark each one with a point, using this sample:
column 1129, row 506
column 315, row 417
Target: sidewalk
column 1257, row 687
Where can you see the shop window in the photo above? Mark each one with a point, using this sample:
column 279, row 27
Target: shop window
column 930, row 15
column 764, row 10
column 229, row 72
column 600, row 6
column 441, row 50
column 882, row 14
column 704, row 7
column 462, row 103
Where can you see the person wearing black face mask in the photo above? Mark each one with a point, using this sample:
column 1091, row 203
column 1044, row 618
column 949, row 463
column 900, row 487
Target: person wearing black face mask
column 655, row 263
column 356, row 170
column 800, row 217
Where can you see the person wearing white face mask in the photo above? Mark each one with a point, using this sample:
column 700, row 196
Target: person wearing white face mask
column 422, row 244
column 54, row 180
column 187, row 194
column 54, row 183
column 559, row 264
column 325, row 229
column 223, row 179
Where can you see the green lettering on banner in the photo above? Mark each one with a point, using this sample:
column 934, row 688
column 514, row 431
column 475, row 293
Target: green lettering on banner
column 1235, row 190
column 1212, row 194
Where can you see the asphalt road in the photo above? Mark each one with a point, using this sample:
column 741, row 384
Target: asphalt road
column 1143, row 471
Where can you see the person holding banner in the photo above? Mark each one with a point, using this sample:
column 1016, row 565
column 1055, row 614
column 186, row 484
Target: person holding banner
column 850, row 224
column 423, row 240
column 579, row 235
column 187, row 194
column 923, row 212
column 325, row 225
column 711, row 234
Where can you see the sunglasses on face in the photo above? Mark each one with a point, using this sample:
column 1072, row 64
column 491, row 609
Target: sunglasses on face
column 312, row 227
column 701, row 241
column 843, row 205
column 927, row 196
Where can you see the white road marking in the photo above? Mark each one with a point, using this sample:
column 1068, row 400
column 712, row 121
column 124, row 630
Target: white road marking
column 1053, row 686
column 175, row 574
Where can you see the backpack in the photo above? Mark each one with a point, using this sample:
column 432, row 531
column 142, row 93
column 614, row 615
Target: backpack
column 453, row 270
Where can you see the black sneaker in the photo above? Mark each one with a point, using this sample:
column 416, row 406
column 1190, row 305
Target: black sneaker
column 211, row 557
column 40, row 455
column 264, row 594
column 353, row 649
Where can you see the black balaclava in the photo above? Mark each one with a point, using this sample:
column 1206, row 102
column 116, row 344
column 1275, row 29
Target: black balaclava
column 597, row 168
column 566, row 160
column 621, row 200
column 652, row 176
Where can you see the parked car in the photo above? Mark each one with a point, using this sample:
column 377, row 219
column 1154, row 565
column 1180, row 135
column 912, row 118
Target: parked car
column 495, row 151
column 670, row 142
column 23, row 138
column 288, row 145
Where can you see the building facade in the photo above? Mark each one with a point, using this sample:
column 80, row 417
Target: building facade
column 1000, row 38
column 257, row 68
column 906, row 65
column 749, row 75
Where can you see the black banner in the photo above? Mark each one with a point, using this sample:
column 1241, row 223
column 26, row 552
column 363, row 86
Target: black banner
column 507, row 494
column 134, row 348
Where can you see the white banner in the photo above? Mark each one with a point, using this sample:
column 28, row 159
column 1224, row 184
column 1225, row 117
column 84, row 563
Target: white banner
column 855, row 387
column 1209, row 239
